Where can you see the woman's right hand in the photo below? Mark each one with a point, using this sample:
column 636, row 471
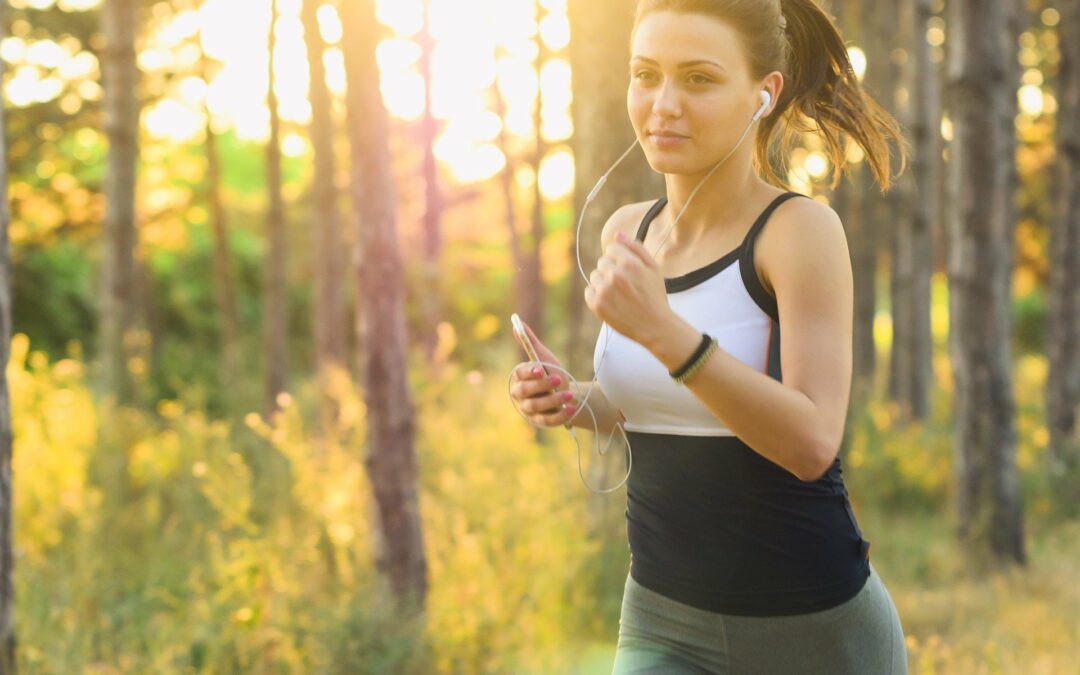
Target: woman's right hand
column 544, row 398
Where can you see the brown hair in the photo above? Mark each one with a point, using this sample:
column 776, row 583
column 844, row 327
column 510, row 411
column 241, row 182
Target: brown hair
column 821, row 92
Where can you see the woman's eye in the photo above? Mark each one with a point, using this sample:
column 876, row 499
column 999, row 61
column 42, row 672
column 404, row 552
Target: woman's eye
column 693, row 78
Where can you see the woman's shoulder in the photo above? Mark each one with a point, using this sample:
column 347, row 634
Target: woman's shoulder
column 626, row 219
column 798, row 229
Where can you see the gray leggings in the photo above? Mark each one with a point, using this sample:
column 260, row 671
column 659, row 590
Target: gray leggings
column 861, row 636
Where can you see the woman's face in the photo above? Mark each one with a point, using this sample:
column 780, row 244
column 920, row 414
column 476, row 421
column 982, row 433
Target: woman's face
column 689, row 78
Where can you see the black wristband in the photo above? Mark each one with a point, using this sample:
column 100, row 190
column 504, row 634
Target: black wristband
column 681, row 370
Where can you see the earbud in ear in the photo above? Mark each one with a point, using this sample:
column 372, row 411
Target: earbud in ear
column 766, row 99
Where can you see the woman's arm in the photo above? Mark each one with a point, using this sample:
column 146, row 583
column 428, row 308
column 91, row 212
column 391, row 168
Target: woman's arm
column 798, row 423
column 607, row 415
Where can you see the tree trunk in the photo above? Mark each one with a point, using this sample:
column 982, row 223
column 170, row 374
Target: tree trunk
column 119, row 76
column 429, row 131
column 532, row 308
column 225, row 296
column 988, row 490
column 913, row 348
column 275, row 300
column 1063, row 293
column 506, row 180
column 391, row 457
column 893, row 29
column 7, row 560
column 328, row 260
column 876, row 226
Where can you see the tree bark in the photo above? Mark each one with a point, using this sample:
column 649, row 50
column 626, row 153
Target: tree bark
column 328, row 259
column 532, row 308
column 7, row 559
column 893, row 28
column 119, row 76
column 225, row 295
column 391, row 458
column 875, row 221
column 914, row 258
column 989, row 505
column 429, row 130
column 275, row 300
column 506, row 181
column 1063, row 301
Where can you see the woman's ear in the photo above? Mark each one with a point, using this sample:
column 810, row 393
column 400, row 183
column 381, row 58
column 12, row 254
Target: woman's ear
column 773, row 84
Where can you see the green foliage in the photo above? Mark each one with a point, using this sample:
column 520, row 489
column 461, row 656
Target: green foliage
column 53, row 296
column 167, row 541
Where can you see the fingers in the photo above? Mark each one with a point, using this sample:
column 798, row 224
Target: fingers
column 545, row 399
column 529, row 370
column 547, row 405
column 527, row 383
column 556, row 419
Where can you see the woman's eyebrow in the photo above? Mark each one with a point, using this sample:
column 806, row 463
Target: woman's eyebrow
column 684, row 64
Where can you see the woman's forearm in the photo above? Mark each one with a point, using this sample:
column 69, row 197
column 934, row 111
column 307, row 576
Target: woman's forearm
column 607, row 415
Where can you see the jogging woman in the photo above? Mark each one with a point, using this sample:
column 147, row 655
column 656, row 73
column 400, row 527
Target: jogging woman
column 726, row 353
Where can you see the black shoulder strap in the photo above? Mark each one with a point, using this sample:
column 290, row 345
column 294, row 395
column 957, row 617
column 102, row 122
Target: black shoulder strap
column 647, row 220
column 764, row 217
column 746, row 259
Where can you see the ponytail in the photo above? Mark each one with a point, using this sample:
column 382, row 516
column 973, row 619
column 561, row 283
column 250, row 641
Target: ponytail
column 822, row 95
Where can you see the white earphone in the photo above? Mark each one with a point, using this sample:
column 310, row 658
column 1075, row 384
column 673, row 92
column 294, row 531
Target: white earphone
column 766, row 99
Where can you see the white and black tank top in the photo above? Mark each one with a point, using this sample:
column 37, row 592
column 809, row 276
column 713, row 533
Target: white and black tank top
column 711, row 522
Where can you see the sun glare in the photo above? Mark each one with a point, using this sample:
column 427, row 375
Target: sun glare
column 404, row 17
column 858, row 61
column 557, row 174
column 1030, row 99
column 490, row 48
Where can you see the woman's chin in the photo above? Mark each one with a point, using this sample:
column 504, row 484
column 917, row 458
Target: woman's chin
column 666, row 164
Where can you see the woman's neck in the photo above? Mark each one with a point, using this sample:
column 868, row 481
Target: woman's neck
column 719, row 203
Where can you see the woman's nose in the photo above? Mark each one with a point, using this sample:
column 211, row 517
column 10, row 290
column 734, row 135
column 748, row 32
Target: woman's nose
column 666, row 103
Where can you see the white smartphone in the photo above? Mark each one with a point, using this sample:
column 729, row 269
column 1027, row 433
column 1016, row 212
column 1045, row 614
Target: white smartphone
column 527, row 345
column 523, row 338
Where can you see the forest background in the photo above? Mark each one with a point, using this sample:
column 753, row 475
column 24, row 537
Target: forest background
column 259, row 258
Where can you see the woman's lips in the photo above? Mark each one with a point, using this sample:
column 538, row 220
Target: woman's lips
column 666, row 140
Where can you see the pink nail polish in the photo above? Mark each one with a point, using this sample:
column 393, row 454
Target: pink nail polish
column 567, row 396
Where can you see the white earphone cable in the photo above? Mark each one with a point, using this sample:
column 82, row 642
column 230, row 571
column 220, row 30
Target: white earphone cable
column 766, row 99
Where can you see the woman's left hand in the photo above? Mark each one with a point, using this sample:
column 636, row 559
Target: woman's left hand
column 626, row 291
